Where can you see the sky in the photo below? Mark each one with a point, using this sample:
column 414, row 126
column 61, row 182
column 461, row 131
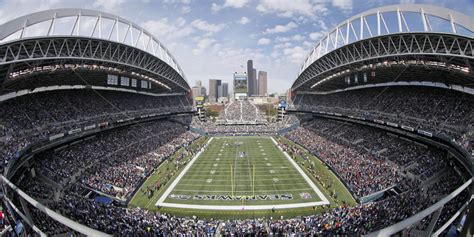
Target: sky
column 215, row 38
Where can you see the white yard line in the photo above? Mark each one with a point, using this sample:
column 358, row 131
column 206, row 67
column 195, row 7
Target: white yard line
column 176, row 181
column 232, row 173
column 216, row 174
column 248, row 164
column 245, row 207
column 242, row 185
column 219, row 180
column 246, row 192
column 308, row 180
column 324, row 200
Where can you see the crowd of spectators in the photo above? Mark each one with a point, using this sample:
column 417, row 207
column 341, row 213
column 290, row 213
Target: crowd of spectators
column 31, row 118
column 360, row 154
column 47, row 224
column 272, row 128
column 131, row 222
column 252, row 227
column 242, row 118
column 444, row 111
column 39, row 190
column 77, row 204
column 342, row 220
column 115, row 161
column 241, row 111
column 364, row 218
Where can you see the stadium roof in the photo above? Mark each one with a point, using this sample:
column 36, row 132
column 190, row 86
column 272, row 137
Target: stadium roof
column 409, row 34
column 79, row 36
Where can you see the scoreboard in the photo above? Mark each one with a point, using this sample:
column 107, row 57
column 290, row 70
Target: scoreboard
column 199, row 101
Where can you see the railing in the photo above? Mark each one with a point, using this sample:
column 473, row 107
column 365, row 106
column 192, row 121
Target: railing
column 393, row 229
column 54, row 215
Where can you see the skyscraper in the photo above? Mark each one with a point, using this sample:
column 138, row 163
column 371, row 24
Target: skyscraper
column 255, row 82
column 225, row 89
column 196, row 91
column 214, row 89
column 219, row 91
column 251, row 78
column 199, row 83
column 262, row 83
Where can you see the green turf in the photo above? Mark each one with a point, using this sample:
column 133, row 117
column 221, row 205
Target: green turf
column 263, row 170
column 327, row 182
column 166, row 172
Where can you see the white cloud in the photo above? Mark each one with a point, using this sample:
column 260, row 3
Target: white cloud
column 229, row 3
column 323, row 25
column 185, row 9
column 203, row 44
column 315, row 35
column 180, row 22
column 11, row 9
column 281, row 28
column 215, row 7
column 296, row 54
column 244, row 20
column 176, row 1
column 308, row 44
column 296, row 37
column 282, row 45
column 264, row 41
column 165, row 29
column 291, row 8
column 108, row 5
column 345, row 5
column 206, row 26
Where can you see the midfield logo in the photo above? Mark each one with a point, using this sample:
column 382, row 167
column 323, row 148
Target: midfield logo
column 233, row 198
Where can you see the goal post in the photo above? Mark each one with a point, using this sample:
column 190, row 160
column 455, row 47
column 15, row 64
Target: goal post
column 232, row 180
column 253, row 181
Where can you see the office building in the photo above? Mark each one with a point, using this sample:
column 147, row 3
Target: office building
column 254, row 82
column 214, row 89
column 251, row 78
column 225, row 89
column 198, row 89
column 219, row 91
column 262, row 83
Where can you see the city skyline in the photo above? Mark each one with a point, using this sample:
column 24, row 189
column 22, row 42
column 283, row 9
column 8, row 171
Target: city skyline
column 213, row 39
column 219, row 88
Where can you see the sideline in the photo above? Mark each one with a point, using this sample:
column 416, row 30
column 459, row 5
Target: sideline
column 160, row 201
column 308, row 180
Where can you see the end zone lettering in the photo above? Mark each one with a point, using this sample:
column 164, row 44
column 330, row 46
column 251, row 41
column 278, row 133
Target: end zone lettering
column 234, row 198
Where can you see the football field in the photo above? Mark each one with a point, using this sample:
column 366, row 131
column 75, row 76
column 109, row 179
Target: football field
column 235, row 173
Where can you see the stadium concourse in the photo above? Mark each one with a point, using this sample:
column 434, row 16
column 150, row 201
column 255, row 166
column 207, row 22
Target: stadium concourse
column 81, row 136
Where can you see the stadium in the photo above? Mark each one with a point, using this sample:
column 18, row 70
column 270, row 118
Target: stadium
column 100, row 135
